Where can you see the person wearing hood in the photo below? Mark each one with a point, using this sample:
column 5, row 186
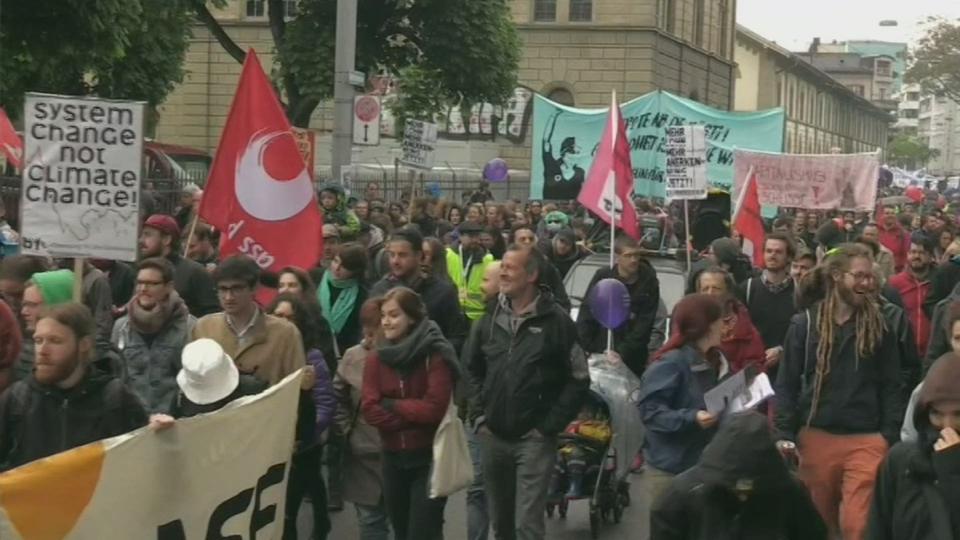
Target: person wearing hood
column 917, row 492
column 407, row 387
column 725, row 253
column 562, row 250
column 528, row 378
column 333, row 202
column 630, row 339
column 552, row 223
column 67, row 401
column 671, row 398
column 740, row 489
column 151, row 336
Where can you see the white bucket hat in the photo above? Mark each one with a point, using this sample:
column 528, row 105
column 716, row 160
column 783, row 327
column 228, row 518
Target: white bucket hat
column 208, row 374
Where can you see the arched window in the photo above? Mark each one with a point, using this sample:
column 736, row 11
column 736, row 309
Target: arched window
column 561, row 96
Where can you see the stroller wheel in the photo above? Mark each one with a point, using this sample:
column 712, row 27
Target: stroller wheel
column 562, row 508
column 594, row 523
column 550, row 509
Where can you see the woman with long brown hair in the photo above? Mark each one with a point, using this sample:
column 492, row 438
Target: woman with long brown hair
column 407, row 386
column 671, row 401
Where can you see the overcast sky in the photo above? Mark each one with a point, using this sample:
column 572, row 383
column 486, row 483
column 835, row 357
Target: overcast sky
column 793, row 24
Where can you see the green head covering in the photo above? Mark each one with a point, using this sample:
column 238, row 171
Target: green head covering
column 56, row 287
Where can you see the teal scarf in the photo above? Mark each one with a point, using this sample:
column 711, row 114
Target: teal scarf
column 339, row 312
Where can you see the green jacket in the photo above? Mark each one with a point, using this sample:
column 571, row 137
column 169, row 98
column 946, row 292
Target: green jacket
column 470, row 286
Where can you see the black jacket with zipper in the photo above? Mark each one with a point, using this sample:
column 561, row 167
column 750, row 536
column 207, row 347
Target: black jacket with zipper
column 37, row 420
column 702, row 503
column 858, row 396
column 533, row 376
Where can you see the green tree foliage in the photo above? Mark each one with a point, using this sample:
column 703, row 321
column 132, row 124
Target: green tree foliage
column 935, row 61
column 446, row 51
column 909, row 152
column 129, row 49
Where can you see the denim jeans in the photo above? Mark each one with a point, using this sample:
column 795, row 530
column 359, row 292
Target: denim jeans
column 478, row 520
column 373, row 522
column 517, row 475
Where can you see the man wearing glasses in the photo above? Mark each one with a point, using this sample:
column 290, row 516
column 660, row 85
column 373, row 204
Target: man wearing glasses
column 267, row 347
column 152, row 335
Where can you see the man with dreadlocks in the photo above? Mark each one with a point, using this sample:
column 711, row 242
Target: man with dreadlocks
column 838, row 393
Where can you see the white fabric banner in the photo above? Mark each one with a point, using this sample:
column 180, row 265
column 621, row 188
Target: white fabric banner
column 811, row 181
column 211, row 476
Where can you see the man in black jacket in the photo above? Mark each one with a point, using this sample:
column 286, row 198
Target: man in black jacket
column 67, row 401
column 630, row 339
column 840, row 403
column 405, row 251
column 770, row 297
column 160, row 237
column 528, row 378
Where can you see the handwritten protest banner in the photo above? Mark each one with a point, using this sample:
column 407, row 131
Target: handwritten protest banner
column 811, row 181
column 569, row 137
column 220, row 475
column 81, row 177
column 686, row 171
column 419, row 144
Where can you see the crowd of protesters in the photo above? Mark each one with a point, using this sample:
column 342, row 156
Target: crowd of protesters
column 416, row 304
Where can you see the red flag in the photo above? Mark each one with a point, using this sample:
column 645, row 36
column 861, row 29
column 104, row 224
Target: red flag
column 748, row 222
column 608, row 191
column 10, row 143
column 259, row 192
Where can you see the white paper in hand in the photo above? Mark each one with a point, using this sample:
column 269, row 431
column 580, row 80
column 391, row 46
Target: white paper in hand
column 756, row 393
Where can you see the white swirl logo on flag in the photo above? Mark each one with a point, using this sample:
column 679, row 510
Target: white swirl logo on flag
column 259, row 193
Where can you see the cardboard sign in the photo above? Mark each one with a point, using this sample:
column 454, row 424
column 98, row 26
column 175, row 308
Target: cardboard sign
column 686, row 171
column 81, row 177
column 419, row 144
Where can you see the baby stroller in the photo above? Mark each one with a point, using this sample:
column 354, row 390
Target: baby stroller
column 613, row 393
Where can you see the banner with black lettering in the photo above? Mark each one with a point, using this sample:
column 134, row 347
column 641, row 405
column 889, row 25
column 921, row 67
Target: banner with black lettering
column 220, row 475
column 81, row 177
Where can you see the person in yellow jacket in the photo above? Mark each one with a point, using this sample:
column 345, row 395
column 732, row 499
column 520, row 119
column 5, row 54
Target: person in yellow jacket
column 466, row 266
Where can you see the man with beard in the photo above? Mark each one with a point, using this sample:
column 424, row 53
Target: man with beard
column 160, row 237
column 631, row 338
column 913, row 284
column 67, row 401
column 405, row 250
column 839, row 396
column 152, row 335
column 770, row 298
column 466, row 267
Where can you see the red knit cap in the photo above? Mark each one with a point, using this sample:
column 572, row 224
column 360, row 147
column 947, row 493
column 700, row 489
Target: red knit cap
column 164, row 224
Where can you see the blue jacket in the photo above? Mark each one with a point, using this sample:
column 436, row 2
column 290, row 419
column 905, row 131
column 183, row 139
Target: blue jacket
column 671, row 393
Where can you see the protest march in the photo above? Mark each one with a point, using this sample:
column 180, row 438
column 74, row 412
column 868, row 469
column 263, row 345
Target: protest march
column 681, row 330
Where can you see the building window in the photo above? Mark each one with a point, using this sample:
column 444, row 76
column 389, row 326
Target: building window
column 545, row 10
column 290, row 9
column 883, row 94
column 856, row 89
column 561, row 96
column 581, row 10
column 256, row 8
column 698, row 22
column 883, row 68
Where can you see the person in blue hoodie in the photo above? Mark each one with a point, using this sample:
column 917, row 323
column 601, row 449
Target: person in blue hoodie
column 671, row 401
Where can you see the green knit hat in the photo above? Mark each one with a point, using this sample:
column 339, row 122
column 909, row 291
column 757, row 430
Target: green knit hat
column 56, row 286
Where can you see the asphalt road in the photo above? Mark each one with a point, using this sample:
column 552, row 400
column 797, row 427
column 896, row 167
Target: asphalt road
column 634, row 526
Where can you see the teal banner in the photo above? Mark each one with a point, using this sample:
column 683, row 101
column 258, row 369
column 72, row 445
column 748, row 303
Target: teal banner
column 568, row 137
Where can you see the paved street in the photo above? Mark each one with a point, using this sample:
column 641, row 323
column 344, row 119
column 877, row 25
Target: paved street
column 634, row 525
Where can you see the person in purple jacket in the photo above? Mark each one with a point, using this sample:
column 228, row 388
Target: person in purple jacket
column 315, row 415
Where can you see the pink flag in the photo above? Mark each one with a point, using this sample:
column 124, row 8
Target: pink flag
column 10, row 143
column 608, row 191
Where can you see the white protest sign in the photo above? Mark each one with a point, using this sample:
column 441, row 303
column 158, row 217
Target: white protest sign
column 419, row 144
column 220, row 475
column 686, row 167
column 81, row 177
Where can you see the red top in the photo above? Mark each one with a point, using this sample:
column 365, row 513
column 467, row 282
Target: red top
column 742, row 344
column 419, row 401
column 10, row 343
column 914, row 292
column 896, row 240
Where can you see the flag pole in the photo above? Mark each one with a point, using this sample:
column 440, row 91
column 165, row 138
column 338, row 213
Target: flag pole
column 613, row 197
column 686, row 231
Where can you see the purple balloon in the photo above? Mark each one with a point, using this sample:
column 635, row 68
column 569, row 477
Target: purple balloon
column 610, row 303
column 496, row 170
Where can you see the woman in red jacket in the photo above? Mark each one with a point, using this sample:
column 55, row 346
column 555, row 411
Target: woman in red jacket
column 407, row 383
column 742, row 345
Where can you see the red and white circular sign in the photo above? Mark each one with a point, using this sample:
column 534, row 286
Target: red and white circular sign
column 367, row 109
